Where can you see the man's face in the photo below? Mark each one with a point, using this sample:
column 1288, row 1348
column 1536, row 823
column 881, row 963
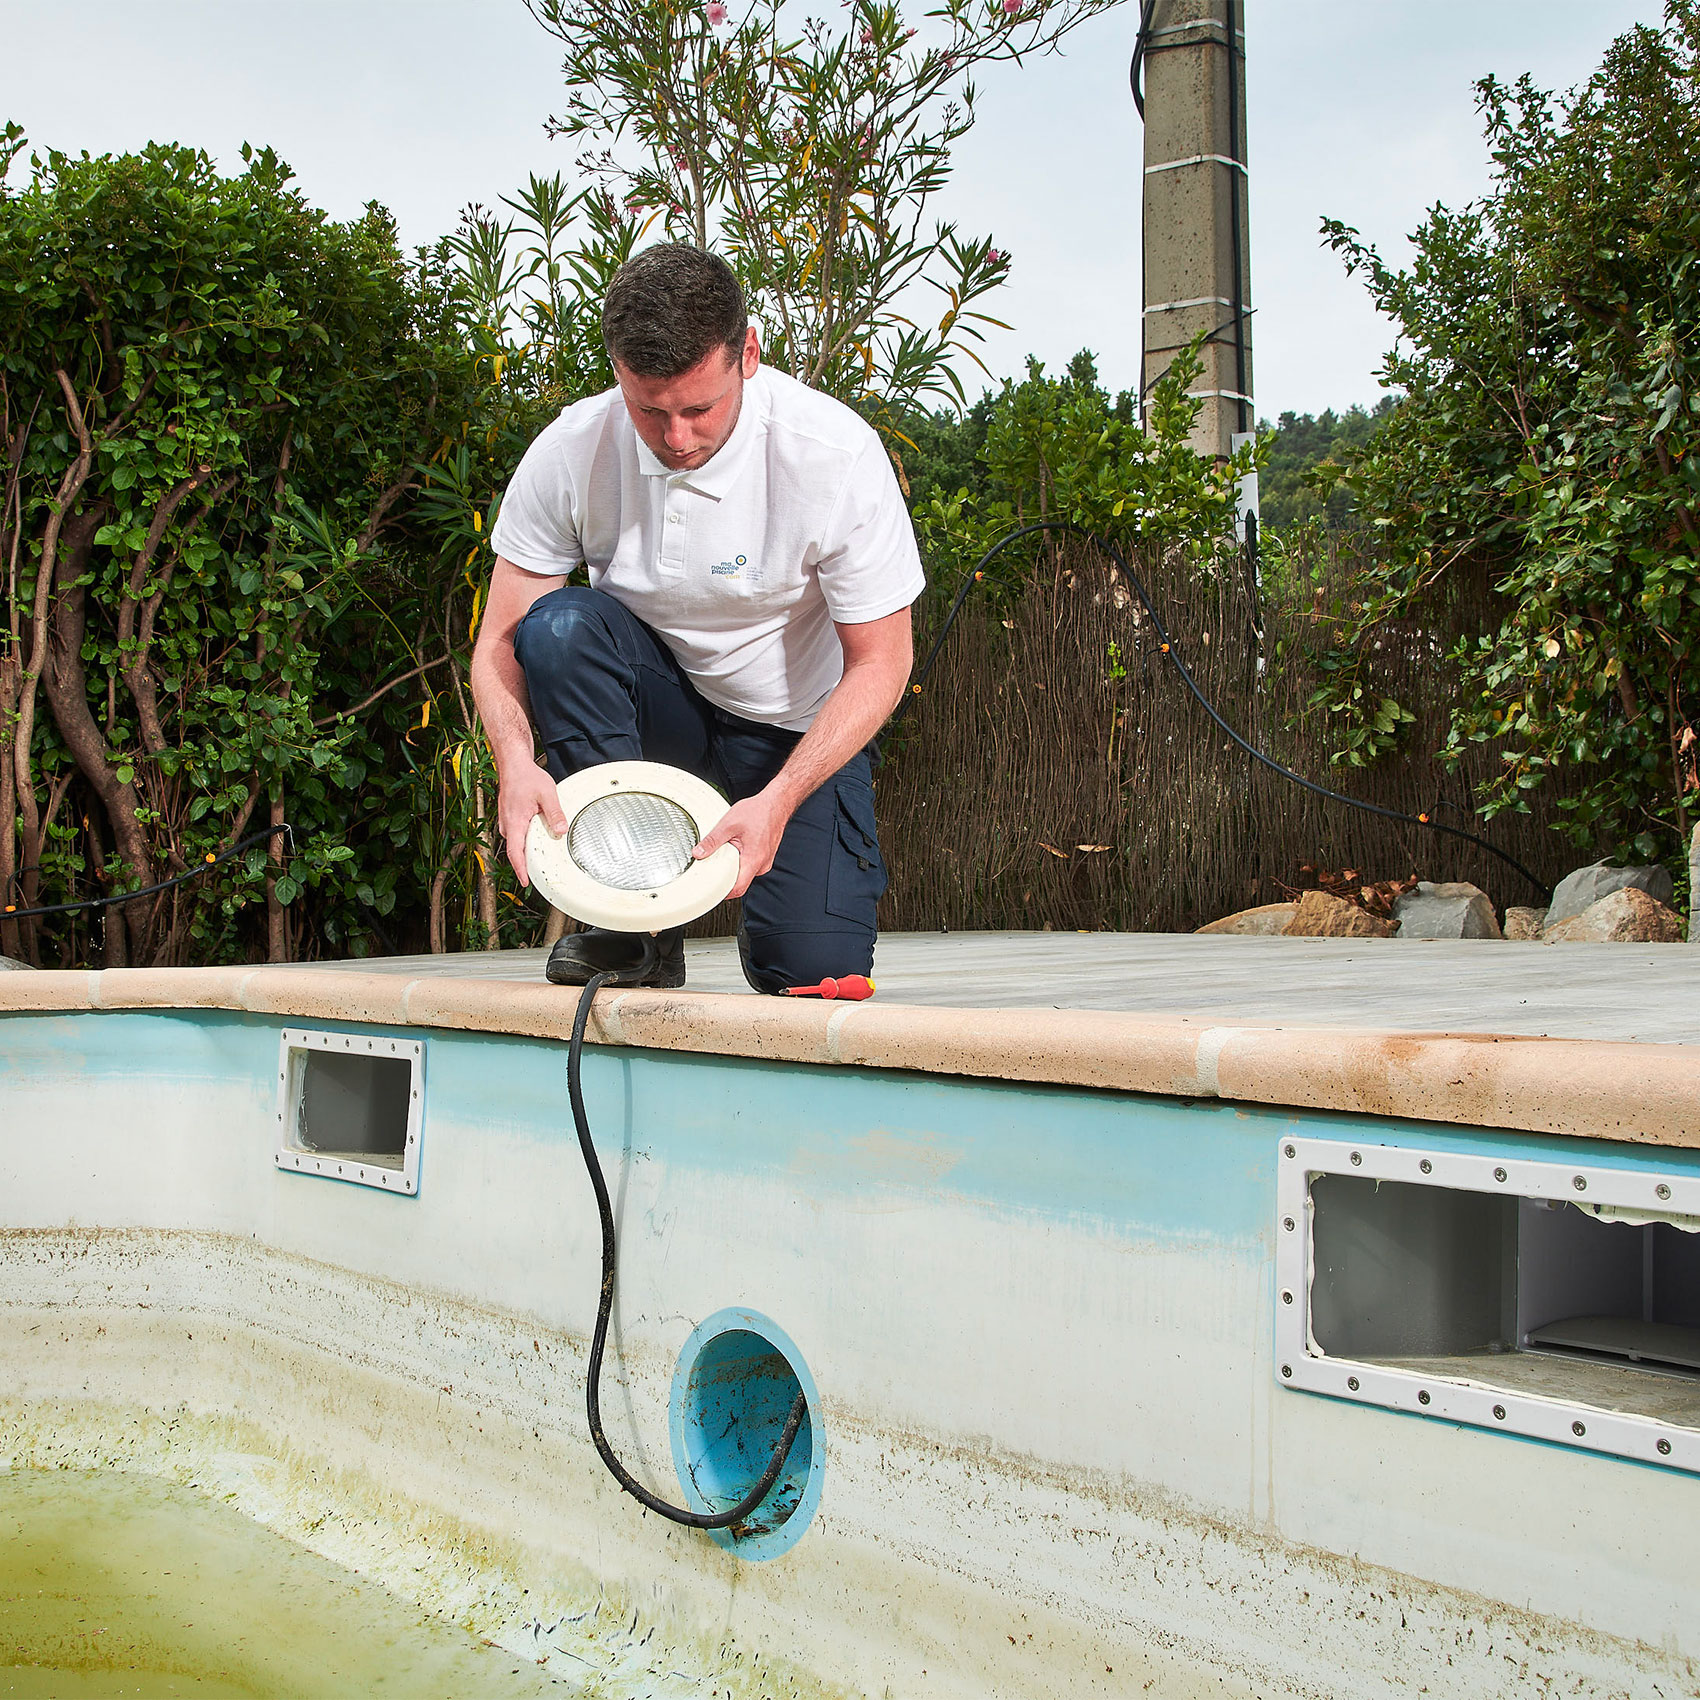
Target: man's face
column 686, row 420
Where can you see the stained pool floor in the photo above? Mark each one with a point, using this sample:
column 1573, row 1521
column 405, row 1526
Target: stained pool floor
column 115, row 1584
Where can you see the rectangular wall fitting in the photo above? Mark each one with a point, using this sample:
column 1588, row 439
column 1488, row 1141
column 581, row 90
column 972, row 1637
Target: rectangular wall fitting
column 1555, row 1301
column 350, row 1107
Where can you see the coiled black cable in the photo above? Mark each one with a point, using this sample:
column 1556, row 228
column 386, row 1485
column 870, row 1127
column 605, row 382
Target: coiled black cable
column 605, row 1304
column 10, row 911
column 977, row 575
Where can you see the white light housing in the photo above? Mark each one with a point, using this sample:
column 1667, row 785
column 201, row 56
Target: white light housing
column 624, row 861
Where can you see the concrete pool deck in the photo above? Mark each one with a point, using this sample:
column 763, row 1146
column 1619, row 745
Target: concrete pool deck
column 1646, row 993
column 1585, row 1040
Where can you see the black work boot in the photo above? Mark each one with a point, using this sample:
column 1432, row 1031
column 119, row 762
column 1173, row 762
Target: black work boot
column 577, row 956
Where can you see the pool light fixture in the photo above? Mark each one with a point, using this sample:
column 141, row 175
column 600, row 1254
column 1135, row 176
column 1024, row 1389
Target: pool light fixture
column 625, row 861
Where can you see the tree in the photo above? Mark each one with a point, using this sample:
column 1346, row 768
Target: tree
column 1544, row 457
column 212, row 400
column 1063, row 448
column 812, row 160
column 1306, row 456
column 941, row 450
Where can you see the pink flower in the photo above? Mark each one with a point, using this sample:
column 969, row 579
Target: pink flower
column 867, row 38
column 996, row 257
column 716, row 13
column 1012, row 7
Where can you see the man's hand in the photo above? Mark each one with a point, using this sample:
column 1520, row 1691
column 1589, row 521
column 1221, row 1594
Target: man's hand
column 755, row 826
column 498, row 687
column 527, row 791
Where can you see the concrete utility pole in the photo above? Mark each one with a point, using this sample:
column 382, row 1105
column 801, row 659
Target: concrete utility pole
column 1197, row 240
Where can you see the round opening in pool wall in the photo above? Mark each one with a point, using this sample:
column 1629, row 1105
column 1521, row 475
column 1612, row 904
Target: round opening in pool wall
column 737, row 1379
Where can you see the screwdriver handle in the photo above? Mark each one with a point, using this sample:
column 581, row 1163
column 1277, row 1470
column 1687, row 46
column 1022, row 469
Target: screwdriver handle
column 852, row 986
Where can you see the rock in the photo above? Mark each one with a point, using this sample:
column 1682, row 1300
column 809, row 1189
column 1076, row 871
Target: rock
column 1584, row 888
column 1319, row 916
column 11, row 962
column 1625, row 916
column 1264, row 919
column 1525, row 924
column 1445, row 909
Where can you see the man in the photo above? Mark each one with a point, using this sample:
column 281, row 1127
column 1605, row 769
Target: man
column 751, row 570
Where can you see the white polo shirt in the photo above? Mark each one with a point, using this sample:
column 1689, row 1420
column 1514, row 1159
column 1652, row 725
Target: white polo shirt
column 742, row 565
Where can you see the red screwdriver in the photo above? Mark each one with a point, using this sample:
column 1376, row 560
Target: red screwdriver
column 852, row 986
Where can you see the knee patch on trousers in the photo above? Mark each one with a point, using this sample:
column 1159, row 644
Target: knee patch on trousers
column 554, row 623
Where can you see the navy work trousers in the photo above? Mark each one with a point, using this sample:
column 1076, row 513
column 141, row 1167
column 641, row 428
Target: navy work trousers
column 604, row 687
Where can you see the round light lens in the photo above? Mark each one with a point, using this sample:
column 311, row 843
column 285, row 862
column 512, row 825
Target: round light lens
column 632, row 841
column 624, row 861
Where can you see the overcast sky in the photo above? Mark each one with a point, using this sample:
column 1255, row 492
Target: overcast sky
column 1358, row 109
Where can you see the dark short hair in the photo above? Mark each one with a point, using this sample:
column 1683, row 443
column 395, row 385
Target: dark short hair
column 668, row 306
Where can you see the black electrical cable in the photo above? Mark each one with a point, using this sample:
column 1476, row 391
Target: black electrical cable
column 1135, row 71
column 978, row 574
column 598, row 1340
column 932, row 654
column 1140, row 41
column 10, row 912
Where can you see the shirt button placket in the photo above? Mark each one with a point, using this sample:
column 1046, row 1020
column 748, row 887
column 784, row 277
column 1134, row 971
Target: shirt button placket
column 674, row 526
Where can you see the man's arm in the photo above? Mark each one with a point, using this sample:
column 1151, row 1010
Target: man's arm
column 877, row 657
column 498, row 687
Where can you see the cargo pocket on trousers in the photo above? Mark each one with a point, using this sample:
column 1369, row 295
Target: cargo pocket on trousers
column 855, row 876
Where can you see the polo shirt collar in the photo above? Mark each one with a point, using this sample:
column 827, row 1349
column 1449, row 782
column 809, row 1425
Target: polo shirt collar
column 716, row 477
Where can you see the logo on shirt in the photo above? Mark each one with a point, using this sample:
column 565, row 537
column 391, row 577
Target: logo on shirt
column 730, row 569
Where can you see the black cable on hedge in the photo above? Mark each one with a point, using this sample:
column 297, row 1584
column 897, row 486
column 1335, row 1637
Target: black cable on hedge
column 599, row 1339
column 11, row 912
column 977, row 576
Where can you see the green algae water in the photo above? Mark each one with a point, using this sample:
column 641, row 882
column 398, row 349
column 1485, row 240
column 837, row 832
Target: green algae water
column 123, row 1585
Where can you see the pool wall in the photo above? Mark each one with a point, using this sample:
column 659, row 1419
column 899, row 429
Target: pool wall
column 1040, row 1319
